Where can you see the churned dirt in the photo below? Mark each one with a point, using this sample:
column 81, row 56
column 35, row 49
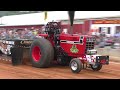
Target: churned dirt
column 7, row 71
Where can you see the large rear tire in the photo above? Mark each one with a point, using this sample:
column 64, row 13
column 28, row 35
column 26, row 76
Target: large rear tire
column 41, row 53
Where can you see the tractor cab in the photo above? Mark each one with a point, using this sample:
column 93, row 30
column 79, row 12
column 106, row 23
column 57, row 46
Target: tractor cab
column 52, row 28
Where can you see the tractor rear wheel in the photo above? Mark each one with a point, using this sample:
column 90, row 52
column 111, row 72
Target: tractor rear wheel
column 41, row 53
column 75, row 65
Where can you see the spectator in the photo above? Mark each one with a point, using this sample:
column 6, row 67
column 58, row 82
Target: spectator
column 28, row 34
column 3, row 34
column 15, row 35
column 43, row 30
column 35, row 32
column 18, row 34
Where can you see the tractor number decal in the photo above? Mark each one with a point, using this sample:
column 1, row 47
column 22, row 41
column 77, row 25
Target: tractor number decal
column 74, row 49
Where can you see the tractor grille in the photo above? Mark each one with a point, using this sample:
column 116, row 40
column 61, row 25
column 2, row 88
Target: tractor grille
column 90, row 42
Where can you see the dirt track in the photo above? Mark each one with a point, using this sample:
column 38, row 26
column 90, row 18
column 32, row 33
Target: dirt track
column 7, row 71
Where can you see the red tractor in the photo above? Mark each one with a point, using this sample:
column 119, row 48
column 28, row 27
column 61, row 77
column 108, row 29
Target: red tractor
column 74, row 50
column 67, row 49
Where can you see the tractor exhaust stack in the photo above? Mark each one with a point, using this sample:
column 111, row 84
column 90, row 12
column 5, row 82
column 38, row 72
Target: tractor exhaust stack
column 71, row 18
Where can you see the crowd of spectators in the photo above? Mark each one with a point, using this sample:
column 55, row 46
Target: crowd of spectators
column 18, row 33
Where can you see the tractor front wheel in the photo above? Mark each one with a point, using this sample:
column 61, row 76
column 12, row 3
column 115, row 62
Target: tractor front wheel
column 75, row 65
column 96, row 67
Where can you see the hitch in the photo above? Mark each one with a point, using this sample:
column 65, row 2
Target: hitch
column 85, row 65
